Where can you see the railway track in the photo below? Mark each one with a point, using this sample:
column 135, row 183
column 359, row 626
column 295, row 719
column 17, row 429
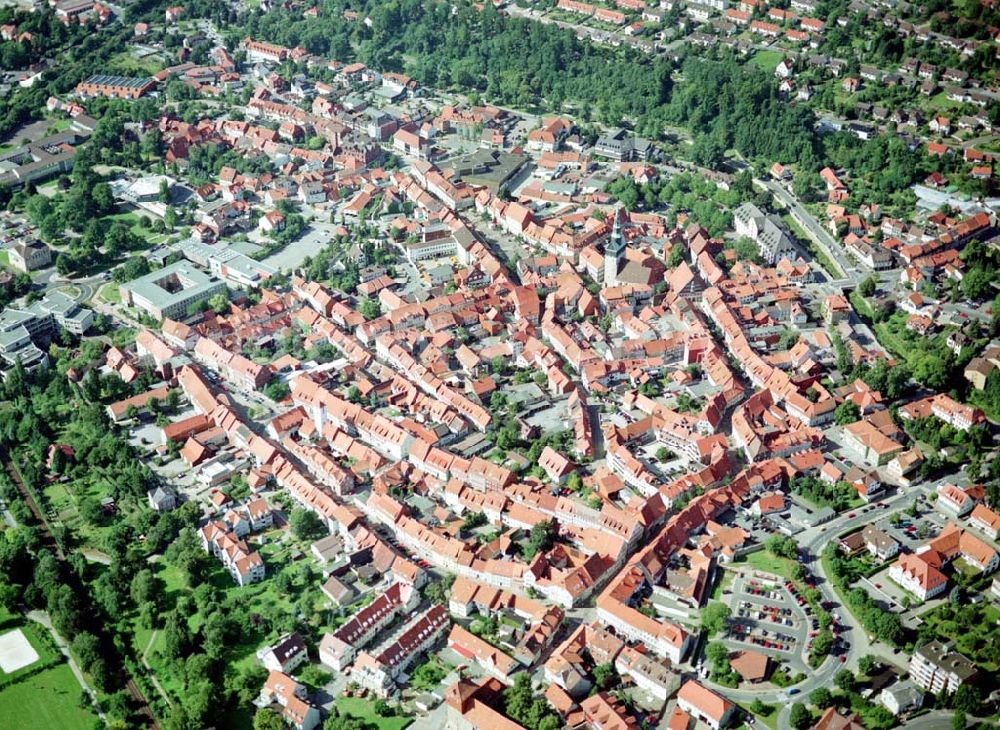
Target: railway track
column 48, row 540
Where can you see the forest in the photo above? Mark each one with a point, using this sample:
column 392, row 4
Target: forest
column 531, row 65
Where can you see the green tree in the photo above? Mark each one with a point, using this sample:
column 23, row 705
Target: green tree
column 782, row 547
column 145, row 586
column 541, row 538
column 473, row 520
column 822, row 644
column 717, row 654
column 87, row 649
column 800, row 717
column 714, row 617
column 267, row 719
column 821, row 697
column 867, row 287
column 306, row 524
column 219, row 303
column 438, row 591
column 845, row 681
column 847, row 412
column 369, row 308
column 968, row 699
column 605, row 676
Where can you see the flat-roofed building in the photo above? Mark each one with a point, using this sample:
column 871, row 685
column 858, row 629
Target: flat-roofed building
column 168, row 292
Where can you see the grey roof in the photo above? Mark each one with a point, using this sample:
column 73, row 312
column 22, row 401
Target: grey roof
column 195, row 282
column 126, row 82
column 942, row 657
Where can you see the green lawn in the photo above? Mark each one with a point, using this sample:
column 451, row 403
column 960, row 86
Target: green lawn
column 767, row 60
column 59, row 125
column 853, row 501
column 66, row 500
column 764, row 561
column 47, row 700
column 770, row 719
column 941, row 102
column 861, row 305
column 110, row 293
column 146, row 234
column 126, row 63
column 811, row 247
column 724, row 582
column 365, row 710
column 5, row 258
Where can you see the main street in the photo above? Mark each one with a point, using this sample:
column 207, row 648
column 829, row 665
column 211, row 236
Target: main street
column 819, row 235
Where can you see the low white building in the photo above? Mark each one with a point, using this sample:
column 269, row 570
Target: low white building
column 902, row 697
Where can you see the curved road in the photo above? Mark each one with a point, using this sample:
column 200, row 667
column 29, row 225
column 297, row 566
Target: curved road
column 812, row 542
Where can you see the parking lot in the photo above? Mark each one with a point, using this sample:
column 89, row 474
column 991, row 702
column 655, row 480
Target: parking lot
column 767, row 617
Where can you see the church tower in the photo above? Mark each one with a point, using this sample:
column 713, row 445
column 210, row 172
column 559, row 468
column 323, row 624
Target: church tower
column 614, row 251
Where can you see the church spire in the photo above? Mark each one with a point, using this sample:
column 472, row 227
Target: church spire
column 614, row 251
column 616, row 244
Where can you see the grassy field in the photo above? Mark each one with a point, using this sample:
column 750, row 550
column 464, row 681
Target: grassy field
column 110, row 293
column 126, row 63
column 763, row 560
column 941, row 102
column 365, row 710
column 854, row 502
column 767, row 60
column 66, row 499
column 5, row 258
column 47, row 700
column 861, row 305
column 723, row 583
column 146, row 234
column 59, row 125
column 808, row 244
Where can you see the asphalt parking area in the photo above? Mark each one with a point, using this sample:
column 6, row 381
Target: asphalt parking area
column 767, row 617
